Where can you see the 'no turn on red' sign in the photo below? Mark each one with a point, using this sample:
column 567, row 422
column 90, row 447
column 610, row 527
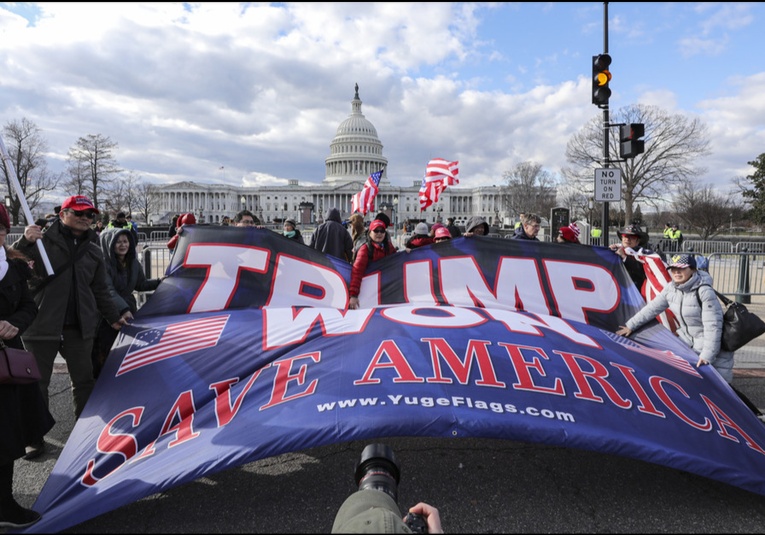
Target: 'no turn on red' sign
column 608, row 185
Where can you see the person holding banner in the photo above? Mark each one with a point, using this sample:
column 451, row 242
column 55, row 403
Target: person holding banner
column 71, row 301
column 378, row 246
column 530, row 225
column 23, row 413
column 332, row 238
column 701, row 320
column 476, row 226
column 631, row 240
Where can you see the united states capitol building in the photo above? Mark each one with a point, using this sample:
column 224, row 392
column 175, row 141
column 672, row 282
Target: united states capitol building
column 355, row 152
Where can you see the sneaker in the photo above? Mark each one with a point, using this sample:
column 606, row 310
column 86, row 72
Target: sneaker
column 12, row 515
column 34, row 450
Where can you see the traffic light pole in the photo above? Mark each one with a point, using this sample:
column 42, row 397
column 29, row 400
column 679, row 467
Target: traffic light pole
column 606, row 127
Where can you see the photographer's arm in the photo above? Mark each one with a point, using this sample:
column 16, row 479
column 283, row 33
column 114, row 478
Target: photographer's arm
column 430, row 514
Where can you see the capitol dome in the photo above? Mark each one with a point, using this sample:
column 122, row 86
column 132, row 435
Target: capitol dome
column 355, row 151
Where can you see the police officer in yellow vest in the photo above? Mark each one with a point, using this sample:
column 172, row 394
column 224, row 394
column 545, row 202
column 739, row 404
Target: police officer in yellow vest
column 120, row 221
column 676, row 238
column 595, row 234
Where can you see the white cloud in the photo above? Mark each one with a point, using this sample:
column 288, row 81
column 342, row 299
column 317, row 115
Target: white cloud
column 261, row 88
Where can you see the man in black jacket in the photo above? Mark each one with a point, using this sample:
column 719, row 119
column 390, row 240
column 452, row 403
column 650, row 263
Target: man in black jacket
column 70, row 302
column 332, row 238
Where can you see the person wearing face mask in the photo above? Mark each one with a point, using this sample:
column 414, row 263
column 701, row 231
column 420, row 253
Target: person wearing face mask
column 291, row 231
column 378, row 246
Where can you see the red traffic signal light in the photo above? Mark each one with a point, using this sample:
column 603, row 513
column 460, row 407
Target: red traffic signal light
column 630, row 144
column 600, row 78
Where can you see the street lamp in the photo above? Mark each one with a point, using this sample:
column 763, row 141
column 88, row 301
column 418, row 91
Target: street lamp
column 395, row 215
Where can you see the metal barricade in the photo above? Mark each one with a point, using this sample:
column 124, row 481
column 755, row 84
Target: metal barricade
column 158, row 236
column 738, row 275
column 750, row 247
column 154, row 261
column 706, row 247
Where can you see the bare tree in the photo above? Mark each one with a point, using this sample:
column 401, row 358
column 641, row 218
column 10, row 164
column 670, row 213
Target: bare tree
column 92, row 167
column 146, row 200
column 673, row 144
column 529, row 189
column 26, row 150
column 702, row 210
column 128, row 194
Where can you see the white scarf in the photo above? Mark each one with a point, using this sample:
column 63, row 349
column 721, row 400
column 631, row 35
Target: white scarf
column 3, row 263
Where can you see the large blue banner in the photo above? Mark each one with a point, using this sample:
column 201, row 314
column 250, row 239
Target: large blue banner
column 247, row 350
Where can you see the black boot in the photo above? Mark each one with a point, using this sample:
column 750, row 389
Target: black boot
column 12, row 515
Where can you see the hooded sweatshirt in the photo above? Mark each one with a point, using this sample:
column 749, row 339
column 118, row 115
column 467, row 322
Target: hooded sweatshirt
column 477, row 221
column 124, row 278
column 332, row 238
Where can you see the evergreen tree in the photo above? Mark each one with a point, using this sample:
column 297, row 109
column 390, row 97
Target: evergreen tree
column 755, row 195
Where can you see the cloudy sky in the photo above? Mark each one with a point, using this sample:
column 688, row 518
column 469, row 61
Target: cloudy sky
column 260, row 89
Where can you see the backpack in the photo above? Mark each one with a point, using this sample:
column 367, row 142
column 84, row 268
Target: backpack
column 739, row 325
column 362, row 246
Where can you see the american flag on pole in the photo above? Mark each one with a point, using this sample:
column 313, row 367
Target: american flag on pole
column 364, row 201
column 153, row 345
column 439, row 174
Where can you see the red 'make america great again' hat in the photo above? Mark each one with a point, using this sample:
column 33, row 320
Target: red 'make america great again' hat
column 78, row 202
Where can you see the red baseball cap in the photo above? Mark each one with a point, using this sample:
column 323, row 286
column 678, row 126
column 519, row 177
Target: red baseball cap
column 443, row 232
column 375, row 224
column 78, row 202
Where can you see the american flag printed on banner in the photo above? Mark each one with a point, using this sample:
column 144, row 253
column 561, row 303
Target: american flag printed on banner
column 364, row 201
column 439, row 174
column 153, row 345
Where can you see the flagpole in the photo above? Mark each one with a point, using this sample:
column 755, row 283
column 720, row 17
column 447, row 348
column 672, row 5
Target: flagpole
column 23, row 200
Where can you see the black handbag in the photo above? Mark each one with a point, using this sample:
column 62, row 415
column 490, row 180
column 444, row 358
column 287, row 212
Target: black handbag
column 739, row 325
column 17, row 366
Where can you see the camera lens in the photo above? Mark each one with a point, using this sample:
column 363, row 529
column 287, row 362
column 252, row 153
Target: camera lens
column 378, row 470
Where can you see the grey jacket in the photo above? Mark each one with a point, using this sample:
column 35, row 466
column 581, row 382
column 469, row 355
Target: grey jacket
column 87, row 285
column 700, row 326
column 477, row 221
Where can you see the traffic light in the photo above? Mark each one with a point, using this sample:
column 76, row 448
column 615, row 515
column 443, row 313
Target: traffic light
column 600, row 78
column 630, row 144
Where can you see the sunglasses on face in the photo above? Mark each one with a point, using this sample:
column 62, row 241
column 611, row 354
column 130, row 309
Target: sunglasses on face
column 442, row 239
column 378, row 230
column 83, row 213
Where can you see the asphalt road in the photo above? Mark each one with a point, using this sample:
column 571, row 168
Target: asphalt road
column 479, row 486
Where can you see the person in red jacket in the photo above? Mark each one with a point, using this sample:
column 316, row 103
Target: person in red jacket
column 420, row 237
column 378, row 246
